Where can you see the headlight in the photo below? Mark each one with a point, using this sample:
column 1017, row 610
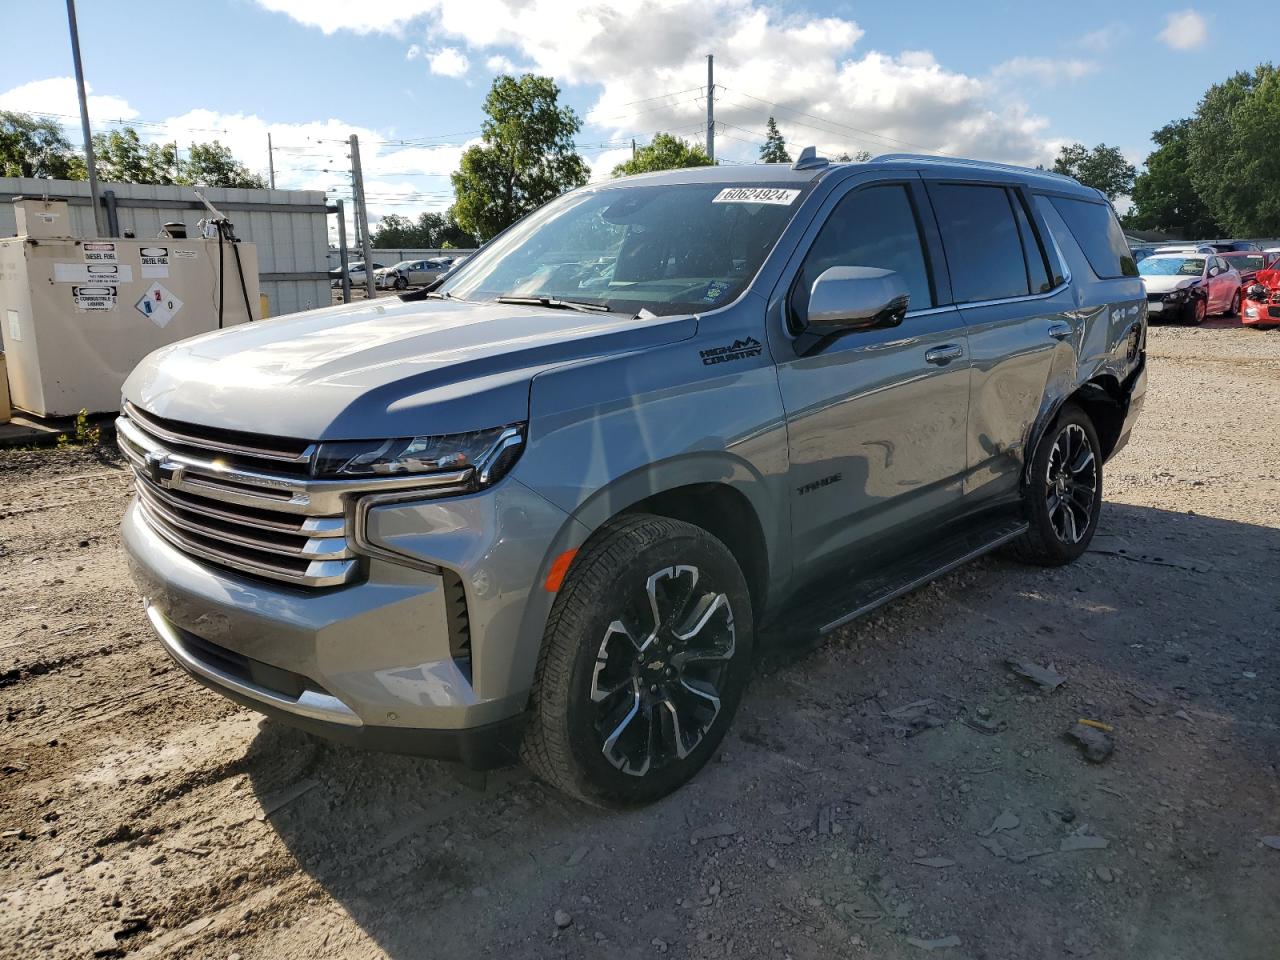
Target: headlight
column 489, row 454
column 1180, row 294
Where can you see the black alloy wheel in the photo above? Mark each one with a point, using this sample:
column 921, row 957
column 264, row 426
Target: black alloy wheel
column 646, row 655
column 659, row 670
column 1071, row 480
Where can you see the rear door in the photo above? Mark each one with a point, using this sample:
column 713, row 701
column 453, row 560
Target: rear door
column 1017, row 309
column 875, row 418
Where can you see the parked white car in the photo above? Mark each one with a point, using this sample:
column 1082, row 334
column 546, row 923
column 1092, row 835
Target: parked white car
column 1189, row 287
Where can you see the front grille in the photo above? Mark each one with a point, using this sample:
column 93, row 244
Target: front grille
column 237, row 500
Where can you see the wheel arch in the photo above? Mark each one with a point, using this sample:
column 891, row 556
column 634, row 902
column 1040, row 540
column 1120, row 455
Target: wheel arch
column 718, row 492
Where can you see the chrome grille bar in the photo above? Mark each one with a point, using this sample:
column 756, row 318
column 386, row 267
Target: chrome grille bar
column 249, row 504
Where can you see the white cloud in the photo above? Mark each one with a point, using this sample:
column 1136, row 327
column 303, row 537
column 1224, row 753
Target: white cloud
column 1184, row 30
column 330, row 16
column 1043, row 69
column 636, row 50
column 500, row 64
column 413, row 53
column 1104, row 38
column 449, row 62
column 57, row 96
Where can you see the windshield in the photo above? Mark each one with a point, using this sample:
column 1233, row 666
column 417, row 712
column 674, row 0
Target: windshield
column 1252, row 261
column 667, row 248
column 1171, row 266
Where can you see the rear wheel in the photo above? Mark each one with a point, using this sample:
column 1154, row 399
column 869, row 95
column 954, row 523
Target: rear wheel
column 646, row 655
column 1063, row 495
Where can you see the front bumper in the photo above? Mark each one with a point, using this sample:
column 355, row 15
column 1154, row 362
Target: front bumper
column 370, row 663
column 1260, row 314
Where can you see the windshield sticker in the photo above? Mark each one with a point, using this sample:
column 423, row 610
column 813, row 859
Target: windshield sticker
column 715, row 290
column 738, row 350
column 756, row 195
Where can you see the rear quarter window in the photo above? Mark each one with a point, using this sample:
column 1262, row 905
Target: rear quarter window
column 1096, row 230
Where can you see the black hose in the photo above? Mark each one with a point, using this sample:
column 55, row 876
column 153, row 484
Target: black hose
column 222, row 276
column 244, row 290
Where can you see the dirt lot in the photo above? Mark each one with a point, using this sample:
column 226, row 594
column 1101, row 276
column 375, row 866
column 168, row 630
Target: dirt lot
column 143, row 816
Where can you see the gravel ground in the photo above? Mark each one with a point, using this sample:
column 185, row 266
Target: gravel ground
column 141, row 815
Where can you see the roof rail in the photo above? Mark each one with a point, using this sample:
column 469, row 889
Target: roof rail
column 991, row 164
column 809, row 160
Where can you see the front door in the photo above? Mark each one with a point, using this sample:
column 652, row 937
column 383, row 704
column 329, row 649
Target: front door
column 876, row 418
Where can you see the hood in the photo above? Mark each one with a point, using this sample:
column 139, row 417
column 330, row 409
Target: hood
column 380, row 369
column 1167, row 284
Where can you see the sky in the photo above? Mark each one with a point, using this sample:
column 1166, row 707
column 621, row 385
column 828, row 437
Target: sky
column 1009, row 81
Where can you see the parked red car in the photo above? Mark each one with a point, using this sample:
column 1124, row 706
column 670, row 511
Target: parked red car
column 1261, row 307
column 1247, row 263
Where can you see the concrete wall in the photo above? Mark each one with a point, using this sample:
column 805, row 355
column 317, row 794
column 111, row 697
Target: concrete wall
column 289, row 227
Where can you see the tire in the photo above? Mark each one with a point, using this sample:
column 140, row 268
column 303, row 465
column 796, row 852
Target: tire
column 1197, row 310
column 601, row 728
column 1060, row 526
column 401, row 283
column 1234, row 309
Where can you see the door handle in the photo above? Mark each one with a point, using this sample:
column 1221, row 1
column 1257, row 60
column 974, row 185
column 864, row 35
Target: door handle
column 1059, row 330
column 941, row 356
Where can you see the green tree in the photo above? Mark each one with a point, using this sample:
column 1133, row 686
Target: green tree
column 862, row 156
column 432, row 230
column 36, row 148
column 775, row 148
column 122, row 157
column 1103, row 168
column 1164, row 197
column 527, row 158
column 1232, row 152
column 212, row 165
column 394, row 231
column 666, row 152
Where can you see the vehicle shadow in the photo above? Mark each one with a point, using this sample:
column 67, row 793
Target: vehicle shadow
column 1166, row 632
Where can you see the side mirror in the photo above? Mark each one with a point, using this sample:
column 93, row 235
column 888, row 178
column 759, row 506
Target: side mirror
column 1214, row 271
column 856, row 298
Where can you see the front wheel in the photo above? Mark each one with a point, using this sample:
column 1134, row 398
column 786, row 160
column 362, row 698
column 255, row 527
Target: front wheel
column 1197, row 310
column 646, row 654
column 1063, row 494
column 1234, row 309
column 401, row 283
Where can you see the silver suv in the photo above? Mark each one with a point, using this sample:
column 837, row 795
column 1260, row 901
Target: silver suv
column 549, row 510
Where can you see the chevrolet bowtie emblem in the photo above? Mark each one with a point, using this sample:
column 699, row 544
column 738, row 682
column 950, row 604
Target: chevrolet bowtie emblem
column 161, row 471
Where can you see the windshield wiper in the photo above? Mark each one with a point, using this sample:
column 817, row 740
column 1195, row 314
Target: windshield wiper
column 552, row 302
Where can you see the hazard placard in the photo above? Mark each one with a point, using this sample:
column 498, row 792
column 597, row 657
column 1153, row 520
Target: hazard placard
column 158, row 305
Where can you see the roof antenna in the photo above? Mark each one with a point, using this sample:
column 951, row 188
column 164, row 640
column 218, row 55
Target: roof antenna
column 809, row 160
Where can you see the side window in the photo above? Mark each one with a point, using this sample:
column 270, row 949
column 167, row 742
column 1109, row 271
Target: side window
column 1037, row 264
column 873, row 227
column 980, row 236
column 1096, row 229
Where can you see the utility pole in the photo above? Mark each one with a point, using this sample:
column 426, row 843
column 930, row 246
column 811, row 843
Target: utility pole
column 633, row 148
column 711, row 107
column 271, row 161
column 99, row 227
column 362, row 216
column 342, row 251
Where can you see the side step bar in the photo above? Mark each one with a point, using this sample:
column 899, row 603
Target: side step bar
column 842, row 598
column 1000, row 538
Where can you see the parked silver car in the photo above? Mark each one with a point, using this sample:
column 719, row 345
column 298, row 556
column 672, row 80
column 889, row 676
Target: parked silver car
column 415, row 273
column 549, row 510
